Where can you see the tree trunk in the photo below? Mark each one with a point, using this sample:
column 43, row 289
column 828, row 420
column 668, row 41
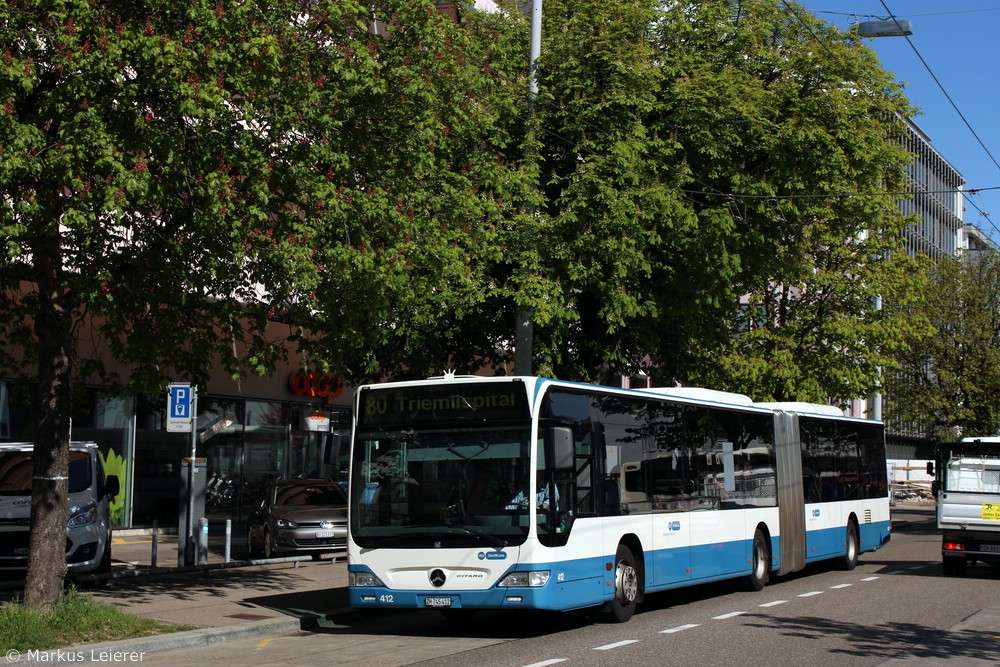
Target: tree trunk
column 49, row 500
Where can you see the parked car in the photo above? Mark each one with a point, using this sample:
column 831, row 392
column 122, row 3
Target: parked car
column 298, row 516
column 88, row 527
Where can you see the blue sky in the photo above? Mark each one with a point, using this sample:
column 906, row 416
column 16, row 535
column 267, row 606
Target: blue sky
column 955, row 46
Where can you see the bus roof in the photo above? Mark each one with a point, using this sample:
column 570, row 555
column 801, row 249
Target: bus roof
column 702, row 394
column 802, row 407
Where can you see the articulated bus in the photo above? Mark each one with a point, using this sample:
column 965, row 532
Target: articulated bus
column 471, row 493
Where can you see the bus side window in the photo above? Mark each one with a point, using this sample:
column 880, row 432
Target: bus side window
column 612, row 499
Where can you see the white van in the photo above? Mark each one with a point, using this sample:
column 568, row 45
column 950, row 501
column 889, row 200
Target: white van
column 88, row 529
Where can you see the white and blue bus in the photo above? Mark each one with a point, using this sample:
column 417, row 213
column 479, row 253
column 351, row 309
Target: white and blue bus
column 632, row 491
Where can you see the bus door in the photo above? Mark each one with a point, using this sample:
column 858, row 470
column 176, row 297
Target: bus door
column 670, row 503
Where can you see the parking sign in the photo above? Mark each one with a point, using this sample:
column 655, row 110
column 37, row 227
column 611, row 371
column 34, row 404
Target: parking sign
column 180, row 400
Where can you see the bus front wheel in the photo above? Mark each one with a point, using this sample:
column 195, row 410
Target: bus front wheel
column 622, row 606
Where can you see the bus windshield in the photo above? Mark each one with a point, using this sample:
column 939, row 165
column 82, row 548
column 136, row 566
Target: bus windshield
column 454, row 486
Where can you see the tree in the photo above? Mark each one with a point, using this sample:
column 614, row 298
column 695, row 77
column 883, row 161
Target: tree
column 705, row 170
column 805, row 136
column 949, row 381
column 426, row 200
column 183, row 179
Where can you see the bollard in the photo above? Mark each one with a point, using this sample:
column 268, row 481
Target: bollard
column 229, row 538
column 152, row 555
column 203, row 541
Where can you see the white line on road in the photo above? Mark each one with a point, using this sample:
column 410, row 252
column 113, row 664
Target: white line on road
column 773, row 604
column 810, row 594
column 608, row 647
column 729, row 615
column 543, row 663
column 869, row 579
column 679, row 628
column 842, row 586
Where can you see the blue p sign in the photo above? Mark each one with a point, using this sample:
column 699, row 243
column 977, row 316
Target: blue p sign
column 179, row 407
column 180, row 401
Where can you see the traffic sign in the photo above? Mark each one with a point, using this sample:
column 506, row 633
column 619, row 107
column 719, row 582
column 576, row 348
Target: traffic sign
column 180, row 400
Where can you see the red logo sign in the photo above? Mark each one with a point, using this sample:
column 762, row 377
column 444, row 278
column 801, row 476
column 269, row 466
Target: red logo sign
column 326, row 386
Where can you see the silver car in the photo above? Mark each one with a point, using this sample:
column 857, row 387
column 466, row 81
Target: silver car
column 298, row 516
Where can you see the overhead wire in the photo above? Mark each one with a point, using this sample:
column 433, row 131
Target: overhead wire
column 894, row 19
column 708, row 190
column 954, row 106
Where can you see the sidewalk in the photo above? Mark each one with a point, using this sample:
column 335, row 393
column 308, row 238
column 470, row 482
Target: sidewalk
column 222, row 594
column 223, row 601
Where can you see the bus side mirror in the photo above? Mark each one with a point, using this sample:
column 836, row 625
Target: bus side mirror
column 930, row 468
column 562, row 448
column 332, row 451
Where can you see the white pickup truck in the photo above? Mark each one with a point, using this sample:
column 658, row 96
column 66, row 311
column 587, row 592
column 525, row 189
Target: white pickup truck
column 967, row 486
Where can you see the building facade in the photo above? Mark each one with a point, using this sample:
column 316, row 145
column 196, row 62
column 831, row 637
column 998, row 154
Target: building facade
column 245, row 434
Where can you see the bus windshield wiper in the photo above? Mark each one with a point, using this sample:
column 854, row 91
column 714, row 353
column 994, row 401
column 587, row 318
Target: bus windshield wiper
column 429, row 531
column 493, row 540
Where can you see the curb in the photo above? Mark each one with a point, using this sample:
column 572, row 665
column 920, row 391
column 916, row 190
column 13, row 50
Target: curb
column 99, row 579
column 132, row 650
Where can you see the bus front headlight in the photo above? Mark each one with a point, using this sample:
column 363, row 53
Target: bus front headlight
column 363, row 579
column 533, row 579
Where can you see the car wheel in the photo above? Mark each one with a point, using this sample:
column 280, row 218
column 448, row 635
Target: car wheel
column 268, row 544
column 252, row 550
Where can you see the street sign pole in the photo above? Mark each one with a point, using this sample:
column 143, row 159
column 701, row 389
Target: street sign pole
column 189, row 552
column 182, row 411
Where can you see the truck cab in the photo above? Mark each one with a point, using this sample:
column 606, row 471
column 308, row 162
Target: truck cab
column 967, row 486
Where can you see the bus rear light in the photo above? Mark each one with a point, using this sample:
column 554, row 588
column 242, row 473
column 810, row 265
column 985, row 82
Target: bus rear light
column 953, row 546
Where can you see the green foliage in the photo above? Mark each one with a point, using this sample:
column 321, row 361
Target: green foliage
column 719, row 201
column 422, row 197
column 148, row 147
column 948, row 381
column 74, row 619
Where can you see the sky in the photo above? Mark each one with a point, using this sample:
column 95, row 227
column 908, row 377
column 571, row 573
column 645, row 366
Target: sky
column 950, row 66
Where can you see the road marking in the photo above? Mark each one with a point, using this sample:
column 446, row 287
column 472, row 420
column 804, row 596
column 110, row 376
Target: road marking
column 679, row 628
column 608, row 647
column 264, row 642
column 729, row 615
column 869, row 579
column 773, row 604
column 842, row 586
column 810, row 594
column 543, row 663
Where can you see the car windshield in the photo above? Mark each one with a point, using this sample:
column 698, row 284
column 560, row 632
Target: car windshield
column 299, row 495
column 16, row 472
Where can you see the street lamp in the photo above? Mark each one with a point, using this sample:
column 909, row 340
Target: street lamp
column 892, row 27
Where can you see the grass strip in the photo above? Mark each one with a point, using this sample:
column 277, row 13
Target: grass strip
column 76, row 619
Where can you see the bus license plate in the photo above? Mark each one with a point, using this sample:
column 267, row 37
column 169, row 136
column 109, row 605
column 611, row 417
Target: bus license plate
column 437, row 602
column 324, row 533
column 992, row 548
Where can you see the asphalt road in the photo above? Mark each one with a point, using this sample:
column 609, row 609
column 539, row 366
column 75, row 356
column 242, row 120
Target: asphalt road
column 895, row 609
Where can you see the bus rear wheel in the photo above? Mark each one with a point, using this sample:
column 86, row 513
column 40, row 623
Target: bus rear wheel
column 760, row 565
column 622, row 606
column 850, row 558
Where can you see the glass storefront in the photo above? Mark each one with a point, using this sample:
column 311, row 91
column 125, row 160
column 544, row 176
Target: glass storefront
column 244, row 443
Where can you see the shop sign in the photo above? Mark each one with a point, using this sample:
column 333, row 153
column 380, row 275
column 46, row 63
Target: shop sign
column 318, row 422
column 326, row 385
